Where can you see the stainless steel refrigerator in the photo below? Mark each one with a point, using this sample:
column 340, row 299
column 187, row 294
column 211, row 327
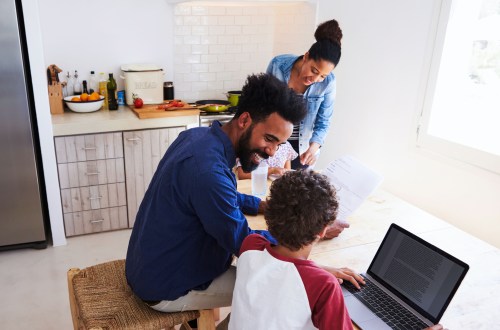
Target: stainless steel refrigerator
column 22, row 203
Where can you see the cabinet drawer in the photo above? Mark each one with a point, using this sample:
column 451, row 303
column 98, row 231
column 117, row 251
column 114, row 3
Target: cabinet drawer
column 93, row 197
column 95, row 221
column 81, row 148
column 73, row 175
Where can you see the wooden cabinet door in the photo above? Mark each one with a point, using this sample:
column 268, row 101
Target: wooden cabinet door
column 143, row 151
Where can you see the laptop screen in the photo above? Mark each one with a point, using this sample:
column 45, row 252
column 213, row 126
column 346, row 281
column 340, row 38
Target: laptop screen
column 423, row 276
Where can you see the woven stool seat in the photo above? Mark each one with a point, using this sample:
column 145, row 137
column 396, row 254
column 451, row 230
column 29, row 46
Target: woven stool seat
column 101, row 299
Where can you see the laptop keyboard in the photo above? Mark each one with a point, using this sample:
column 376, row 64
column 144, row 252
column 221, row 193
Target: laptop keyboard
column 385, row 307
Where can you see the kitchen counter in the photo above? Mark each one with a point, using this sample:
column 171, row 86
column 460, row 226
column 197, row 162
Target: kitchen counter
column 123, row 119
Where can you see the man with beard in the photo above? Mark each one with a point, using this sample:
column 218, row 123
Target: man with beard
column 190, row 222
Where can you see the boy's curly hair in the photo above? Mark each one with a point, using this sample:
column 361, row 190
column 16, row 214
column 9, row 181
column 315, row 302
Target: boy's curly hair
column 300, row 205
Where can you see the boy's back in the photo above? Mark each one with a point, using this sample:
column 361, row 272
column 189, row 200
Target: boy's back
column 278, row 292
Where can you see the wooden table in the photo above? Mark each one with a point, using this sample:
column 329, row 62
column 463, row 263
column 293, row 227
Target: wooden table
column 476, row 303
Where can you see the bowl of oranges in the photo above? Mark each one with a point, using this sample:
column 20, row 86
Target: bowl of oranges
column 84, row 102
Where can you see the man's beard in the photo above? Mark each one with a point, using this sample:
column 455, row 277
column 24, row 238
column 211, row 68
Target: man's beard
column 246, row 155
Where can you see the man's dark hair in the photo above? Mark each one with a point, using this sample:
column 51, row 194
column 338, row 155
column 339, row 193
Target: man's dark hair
column 264, row 94
column 300, row 205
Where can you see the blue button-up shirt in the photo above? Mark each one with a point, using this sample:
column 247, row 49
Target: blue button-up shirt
column 191, row 220
column 320, row 98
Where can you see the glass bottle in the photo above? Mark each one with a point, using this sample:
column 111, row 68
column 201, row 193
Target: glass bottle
column 68, row 89
column 112, row 102
column 84, row 84
column 103, row 88
column 93, row 83
column 77, row 87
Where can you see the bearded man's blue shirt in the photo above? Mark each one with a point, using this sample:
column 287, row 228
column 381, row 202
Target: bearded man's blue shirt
column 191, row 220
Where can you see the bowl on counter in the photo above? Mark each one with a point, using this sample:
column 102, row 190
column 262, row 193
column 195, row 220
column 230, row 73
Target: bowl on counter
column 80, row 106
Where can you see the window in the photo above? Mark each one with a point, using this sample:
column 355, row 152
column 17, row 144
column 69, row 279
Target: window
column 461, row 110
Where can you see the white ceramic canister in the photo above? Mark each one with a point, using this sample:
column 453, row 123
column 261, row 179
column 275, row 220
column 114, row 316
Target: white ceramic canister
column 143, row 80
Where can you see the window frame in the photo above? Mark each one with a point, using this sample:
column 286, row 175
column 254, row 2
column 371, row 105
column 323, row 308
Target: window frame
column 427, row 142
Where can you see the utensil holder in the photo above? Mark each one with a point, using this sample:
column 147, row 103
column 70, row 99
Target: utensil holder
column 56, row 99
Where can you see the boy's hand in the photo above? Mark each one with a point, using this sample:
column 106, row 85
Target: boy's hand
column 346, row 274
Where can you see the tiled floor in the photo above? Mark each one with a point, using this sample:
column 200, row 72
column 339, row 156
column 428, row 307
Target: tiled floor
column 33, row 287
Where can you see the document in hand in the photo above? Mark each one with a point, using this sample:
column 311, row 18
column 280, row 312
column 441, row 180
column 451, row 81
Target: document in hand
column 353, row 181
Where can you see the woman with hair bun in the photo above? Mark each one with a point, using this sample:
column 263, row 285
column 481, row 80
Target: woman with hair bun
column 311, row 76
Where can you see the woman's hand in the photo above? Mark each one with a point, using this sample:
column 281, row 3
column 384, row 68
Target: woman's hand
column 346, row 274
column 309, row 157
column 436, row 327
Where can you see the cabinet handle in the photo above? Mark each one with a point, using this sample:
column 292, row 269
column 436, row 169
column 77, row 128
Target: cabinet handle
column 94, row 198
column 134, row 139
column 92, row 173
column 89, row 148
column 96, row 221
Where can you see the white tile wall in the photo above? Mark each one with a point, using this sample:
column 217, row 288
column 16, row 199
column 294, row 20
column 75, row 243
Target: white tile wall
column 218, row 44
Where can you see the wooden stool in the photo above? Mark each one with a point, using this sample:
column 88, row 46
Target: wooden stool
column 100, row 298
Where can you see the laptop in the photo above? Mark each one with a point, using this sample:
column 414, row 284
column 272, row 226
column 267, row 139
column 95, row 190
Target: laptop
column 410, row 283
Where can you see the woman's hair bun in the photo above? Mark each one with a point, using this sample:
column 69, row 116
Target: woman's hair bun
column 329, row 30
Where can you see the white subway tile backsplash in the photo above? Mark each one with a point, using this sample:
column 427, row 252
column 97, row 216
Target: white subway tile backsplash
column 225, row 40
column 216, row 67
column 191, row 77
column 243, row 20
column 181, row 10
column 208, row 40
column 216, row 49
column 233, row 49
column 248, row 29
column 232, row 67
column 192, row 20
column 225, row 20
column 208, row 76
column 216, row 30
column 202, row 67
column 226, row 58
column 242, row 39
column 216, row 10
column 259, row 20
column 199, row 10
column 192, row 59
column 182, row 30
column 221, row 76
column 218, row 45
column 233, row 30
column 199, row 49
column 208, row 58
column 200, row 30
column 191, row 40
column 178, row 20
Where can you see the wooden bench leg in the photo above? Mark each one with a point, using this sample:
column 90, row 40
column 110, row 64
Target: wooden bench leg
column 72, row 302
column 206, row 320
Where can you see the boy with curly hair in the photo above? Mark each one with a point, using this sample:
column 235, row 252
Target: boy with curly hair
column 277, row 287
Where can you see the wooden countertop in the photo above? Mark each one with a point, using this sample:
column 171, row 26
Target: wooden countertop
column 475, row 304
column 123, row 119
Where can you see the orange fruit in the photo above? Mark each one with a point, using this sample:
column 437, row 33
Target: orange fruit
column 94, row 96
column 76, row 99
column 84, row 97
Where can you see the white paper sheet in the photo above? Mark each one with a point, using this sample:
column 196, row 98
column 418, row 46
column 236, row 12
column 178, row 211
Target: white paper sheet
column 353, row 181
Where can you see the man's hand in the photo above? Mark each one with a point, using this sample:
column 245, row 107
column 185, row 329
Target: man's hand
column 346, row 274
column 335, row 229
column 436, row 327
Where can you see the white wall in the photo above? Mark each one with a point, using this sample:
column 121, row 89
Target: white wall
column 103, row 35
column 381, row 76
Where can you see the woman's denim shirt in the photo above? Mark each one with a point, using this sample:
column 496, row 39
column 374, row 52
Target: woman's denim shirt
column 320, row 98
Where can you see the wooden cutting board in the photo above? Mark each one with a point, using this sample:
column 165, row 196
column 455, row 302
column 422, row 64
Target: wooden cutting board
column 152, row 111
